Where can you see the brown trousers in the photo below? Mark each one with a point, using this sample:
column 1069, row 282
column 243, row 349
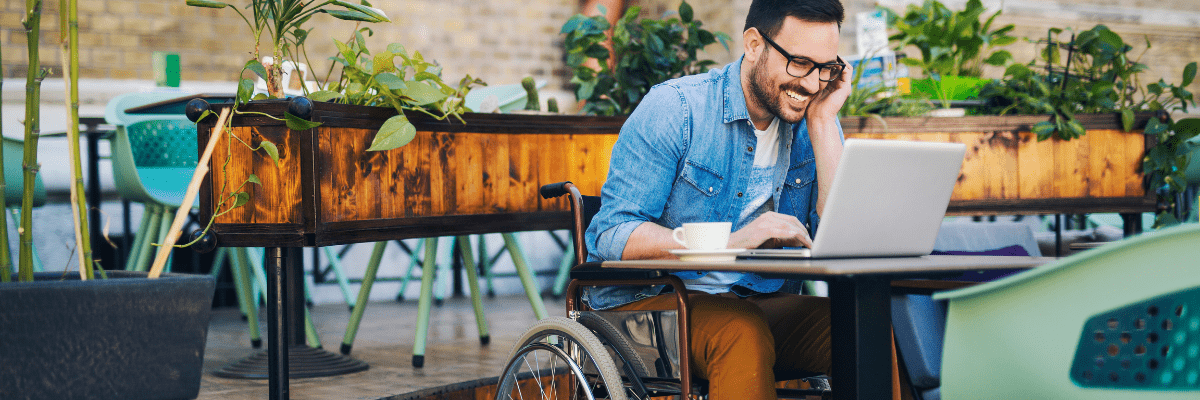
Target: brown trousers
column 736, row 342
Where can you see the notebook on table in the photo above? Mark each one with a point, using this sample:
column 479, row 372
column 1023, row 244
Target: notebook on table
column 888, row 199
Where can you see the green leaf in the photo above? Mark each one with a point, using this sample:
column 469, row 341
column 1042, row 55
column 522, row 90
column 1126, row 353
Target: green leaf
column 1043, row 129
column 422, row 93
column 685, row 12
column 207, row 4
column 1154, row 127
column 245, row 89
column 271, row 150
column 999, row 58
column 1127, row 120
column 205, row 115
column 257, row 67
column 348, row 15
column 324, row 95
column 1189, row 74
column 240, row 199
column 254, row 179
column 390, row 80
column 375, row 14
column 299, row 124
column 395, row 132
column 382, row 63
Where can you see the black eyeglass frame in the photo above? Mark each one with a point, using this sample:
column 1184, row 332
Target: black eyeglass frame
column 816, row 65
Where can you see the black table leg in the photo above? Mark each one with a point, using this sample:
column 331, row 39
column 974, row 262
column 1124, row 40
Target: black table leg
column 278, row 334
column 861, row 323
column 93, row 189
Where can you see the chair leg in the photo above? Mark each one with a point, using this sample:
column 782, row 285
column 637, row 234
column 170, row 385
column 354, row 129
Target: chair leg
column 564, row 272
column 335, row 263
column 240, row 264
column 464, row 247
column 254, row 257
column 164, row 227
column 143, row 256
column 442, row 291
column 485, row 266
column 427, row 271
column 310, row 330
column 364, row 292
column 413, row 261
column 135, row 248
column 523, row 271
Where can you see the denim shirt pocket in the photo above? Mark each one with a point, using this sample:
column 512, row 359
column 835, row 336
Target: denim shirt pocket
column 704, row 179
column 798, row 187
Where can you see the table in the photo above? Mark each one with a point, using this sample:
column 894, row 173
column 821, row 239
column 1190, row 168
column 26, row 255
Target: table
column 860, row 302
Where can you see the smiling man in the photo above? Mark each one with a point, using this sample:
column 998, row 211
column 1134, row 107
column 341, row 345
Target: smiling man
column 755, row 143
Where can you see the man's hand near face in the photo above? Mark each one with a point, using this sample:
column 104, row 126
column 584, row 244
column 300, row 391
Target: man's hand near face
column 827, row 102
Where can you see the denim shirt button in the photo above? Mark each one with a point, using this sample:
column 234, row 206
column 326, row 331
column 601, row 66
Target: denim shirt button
column 710, row 189
column 749, row 149
column 739, row 194
column 797, row 181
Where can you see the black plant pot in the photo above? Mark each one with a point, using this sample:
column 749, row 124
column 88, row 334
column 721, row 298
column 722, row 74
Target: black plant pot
column 126, row 337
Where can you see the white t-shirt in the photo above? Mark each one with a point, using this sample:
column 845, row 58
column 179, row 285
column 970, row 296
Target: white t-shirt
column 766, row 154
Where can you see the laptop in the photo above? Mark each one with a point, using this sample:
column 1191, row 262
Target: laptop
column 888, row 199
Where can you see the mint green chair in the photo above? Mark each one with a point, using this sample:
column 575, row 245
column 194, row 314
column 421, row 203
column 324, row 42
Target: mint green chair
column 1121, row 321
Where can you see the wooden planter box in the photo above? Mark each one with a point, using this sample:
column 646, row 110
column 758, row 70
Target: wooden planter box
column 452, row 179
column 1008, row 171
column 483, row 176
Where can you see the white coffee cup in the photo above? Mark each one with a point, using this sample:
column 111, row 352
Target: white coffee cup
column 703, row 235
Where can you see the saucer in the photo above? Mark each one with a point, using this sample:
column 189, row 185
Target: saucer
column 707, row 255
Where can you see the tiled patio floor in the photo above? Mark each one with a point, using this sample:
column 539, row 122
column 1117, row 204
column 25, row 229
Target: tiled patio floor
column 385, row 341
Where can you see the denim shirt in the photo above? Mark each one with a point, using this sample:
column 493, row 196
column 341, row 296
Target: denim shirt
column 686, row 155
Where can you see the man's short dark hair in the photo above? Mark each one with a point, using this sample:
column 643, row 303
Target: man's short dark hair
column 768, row 15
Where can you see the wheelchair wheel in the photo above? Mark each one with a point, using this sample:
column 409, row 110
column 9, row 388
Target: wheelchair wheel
column 558, row 358
column 608, row 334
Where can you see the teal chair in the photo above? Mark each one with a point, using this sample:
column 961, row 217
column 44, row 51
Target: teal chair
column 1121, row 321
column 13, row 178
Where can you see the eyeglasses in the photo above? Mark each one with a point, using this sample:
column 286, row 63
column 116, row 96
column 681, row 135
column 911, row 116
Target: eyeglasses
column 802, row 66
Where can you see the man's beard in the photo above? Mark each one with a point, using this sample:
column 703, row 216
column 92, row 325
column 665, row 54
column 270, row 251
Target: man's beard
column 770, row 101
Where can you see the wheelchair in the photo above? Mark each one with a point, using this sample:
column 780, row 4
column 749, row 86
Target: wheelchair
column 614, row 355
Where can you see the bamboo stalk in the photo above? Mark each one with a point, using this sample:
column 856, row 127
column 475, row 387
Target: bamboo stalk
column 181, row 215
column 70, row 58
column 29, row 165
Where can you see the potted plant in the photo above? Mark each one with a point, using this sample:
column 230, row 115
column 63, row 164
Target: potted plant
column 91, row 334
column 953, row 46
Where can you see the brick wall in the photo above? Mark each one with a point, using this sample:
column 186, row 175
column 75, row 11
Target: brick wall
column 504, row 41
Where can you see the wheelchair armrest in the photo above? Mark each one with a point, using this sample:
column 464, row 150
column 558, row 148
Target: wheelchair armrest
column 593, row 271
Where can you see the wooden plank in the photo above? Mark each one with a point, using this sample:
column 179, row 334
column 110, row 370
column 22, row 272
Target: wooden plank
column 441, row 172
column 1070, row 166
column 468, row 166
column 1035, row 162
column 415, row 177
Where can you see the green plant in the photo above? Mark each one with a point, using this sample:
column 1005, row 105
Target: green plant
column 1165, row 163
column 877, row 100
column 378, row 80
column 283, row 21
column 1096, row 75
column 951, row 43
column 644, row 53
